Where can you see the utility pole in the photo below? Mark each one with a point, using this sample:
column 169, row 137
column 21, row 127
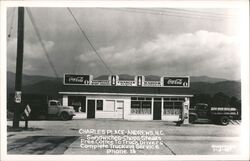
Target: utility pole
column 19, row 67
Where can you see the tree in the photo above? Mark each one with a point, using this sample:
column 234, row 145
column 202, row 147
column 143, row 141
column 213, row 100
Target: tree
column 220, row 99
column 201, row 98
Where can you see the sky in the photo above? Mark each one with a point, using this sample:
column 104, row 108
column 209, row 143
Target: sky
column 144, row 41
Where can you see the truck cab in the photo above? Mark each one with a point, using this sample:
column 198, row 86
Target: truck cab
column 201, row 110
column 56, row 109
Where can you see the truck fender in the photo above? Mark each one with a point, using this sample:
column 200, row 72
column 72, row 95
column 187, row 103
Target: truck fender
column 60, row 112
column 192, row 117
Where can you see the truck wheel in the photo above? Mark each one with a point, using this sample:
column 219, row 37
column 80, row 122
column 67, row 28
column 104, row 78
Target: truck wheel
column 64, row 116
column 224, row 120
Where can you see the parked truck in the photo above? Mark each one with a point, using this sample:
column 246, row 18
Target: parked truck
column 218, row 115
column 63, row 112
column 44, row 108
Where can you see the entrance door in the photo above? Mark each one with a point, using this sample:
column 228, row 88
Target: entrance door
column 91, row 109
column 119, row 109
column 157, row 110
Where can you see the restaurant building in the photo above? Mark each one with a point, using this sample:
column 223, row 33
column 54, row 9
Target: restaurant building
column 165, row 99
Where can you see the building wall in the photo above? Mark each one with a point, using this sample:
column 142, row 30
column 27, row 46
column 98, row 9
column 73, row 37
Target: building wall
column 127, row 109
column 106, row 99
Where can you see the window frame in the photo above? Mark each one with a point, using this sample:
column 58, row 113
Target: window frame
column 141, row 101
column 97, row 100
column 175, row 104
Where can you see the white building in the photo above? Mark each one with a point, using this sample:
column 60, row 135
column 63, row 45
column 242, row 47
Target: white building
column 133, row 100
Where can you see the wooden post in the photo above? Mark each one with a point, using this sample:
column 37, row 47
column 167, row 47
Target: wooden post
column 19, row 67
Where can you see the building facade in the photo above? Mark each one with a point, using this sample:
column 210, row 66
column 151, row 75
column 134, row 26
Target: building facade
column 128, row 99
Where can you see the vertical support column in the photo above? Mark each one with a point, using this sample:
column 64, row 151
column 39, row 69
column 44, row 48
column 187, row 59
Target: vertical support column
column 185, row 115
column 152, row 108
column 162, row 107
column 65, row 100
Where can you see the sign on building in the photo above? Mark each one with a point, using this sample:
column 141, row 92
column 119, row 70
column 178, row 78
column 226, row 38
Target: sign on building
column 139, row 81
column 73, row 79
column 113, row 80
column 176, row 82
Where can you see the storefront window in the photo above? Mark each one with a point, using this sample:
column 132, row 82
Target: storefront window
column 173, row 107
column 141, row 106
column 99, row 105
column 78, row 102
column 109, row 106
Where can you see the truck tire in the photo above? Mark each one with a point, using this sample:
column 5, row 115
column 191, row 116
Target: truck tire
column 64, row 116
column 224, row 120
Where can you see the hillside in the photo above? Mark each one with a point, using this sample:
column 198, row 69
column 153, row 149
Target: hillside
column 49, row 85
column 230, row 88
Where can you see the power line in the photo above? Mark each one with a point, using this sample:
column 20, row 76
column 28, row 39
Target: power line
column 92, row 46
column 162, row 13
column 203, row 12
column 41, row 42
column 181, row 15
column 186, row 12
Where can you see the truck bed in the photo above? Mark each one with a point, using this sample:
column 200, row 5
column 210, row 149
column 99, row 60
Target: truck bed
column 224, row 111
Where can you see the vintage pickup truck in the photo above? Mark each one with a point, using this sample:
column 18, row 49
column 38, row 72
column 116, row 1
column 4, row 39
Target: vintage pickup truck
column 43, row 108
column 218, row 115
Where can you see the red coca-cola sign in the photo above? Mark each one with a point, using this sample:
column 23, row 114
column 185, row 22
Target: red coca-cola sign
column 176, row 82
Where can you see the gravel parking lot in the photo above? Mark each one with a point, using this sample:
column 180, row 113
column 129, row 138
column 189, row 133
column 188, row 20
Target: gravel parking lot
column 63, row 137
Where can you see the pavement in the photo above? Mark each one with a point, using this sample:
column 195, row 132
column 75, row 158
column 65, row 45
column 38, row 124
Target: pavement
column 64, row 137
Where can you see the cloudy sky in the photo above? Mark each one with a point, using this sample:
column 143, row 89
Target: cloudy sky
column 145, row 41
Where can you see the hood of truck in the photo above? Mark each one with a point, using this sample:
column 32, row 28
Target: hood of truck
column 67, row 107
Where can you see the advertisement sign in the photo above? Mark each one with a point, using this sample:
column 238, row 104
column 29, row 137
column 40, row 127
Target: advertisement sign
column 74, row 79
column 152, row 84
column 100, row 83
column 176, row 82
column 18, row 96
column 139, row 80
column 113, row 80
column 126, row 83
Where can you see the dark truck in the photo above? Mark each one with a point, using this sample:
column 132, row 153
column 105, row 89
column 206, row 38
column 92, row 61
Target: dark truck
column 44, row 108
column 218, row 115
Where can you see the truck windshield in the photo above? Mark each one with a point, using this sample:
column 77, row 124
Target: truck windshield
column 55, row 103
column 202, row 107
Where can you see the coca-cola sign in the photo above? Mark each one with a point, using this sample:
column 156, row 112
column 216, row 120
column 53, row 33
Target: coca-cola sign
column 73, row 79
column 176, row 82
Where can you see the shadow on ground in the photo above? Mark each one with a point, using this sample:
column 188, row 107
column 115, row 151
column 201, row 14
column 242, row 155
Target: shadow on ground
column 40, row 145
column 12, row 129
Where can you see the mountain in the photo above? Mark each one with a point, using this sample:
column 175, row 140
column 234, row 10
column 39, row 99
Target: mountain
column 206, row 79
column 230, row 88
column 152, row 78
column 121, row 77
column 26, row 79
column 49, row 85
